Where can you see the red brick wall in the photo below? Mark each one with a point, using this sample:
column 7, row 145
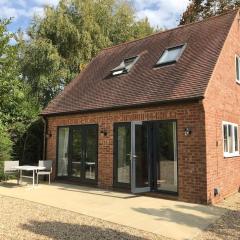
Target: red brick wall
column 222, row 103
column 191, row 149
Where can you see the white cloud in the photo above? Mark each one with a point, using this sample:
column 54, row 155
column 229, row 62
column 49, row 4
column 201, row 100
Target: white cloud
column 161, row 13
column 24, row 8
column 7, row 12
column 46, row 2
column 39, row 11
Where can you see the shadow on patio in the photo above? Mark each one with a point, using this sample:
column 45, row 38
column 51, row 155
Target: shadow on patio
column 59, row 230
column 191, row 216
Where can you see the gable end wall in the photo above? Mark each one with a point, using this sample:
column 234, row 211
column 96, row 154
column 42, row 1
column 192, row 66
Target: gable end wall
column 222, row 103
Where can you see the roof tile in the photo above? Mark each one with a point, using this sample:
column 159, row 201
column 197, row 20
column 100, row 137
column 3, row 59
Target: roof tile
column 95, row 89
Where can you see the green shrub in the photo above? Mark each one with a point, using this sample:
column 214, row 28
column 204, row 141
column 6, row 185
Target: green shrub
column 5, row 148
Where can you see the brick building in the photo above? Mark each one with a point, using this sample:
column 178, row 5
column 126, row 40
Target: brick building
column 159, row 114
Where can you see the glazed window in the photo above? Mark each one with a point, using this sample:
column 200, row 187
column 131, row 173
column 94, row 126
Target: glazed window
column 230, row 139
column 125, row 66
column 238, row 69
column 171, row 55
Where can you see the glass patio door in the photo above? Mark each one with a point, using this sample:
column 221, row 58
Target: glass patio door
column 78, row 153
column 140, row 167
column 165, row 164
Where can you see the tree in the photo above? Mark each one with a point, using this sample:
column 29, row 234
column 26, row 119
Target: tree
column 17, row 108
column 14, row 103
column 64, row 41
column 200, row 9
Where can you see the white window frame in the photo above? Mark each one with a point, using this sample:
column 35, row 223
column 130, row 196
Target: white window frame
column 182, row 48
column 237, row 57
column 234, row 153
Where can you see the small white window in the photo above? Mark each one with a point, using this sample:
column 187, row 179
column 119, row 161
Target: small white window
column 230, row 139
column 238, row 69
column 171, row 55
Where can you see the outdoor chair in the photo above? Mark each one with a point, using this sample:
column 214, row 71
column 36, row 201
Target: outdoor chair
column 9, row 168
column 48, row 171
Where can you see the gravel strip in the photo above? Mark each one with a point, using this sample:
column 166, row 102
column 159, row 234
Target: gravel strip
column 228, row 226
column 20, row 219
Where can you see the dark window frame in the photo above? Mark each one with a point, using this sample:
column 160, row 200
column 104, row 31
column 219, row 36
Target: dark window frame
column 80, row 180
column 117, row 184
column 237, row 68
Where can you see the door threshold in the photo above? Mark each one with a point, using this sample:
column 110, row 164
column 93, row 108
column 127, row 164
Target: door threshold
column 77, row 182
column 161, row 195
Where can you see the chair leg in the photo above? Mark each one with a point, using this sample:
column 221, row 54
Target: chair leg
column 49, row 179
column 18, row 178
column 37, row 178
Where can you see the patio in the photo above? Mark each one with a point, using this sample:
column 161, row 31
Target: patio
column 152, row 215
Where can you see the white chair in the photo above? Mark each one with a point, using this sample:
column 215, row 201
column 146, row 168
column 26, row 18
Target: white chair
column 48, row 169
column 9, row 168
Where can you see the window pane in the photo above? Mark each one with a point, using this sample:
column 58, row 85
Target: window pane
column 77, row 151
column 237, row 68
column 141, row 156
column 170, row 55
column 166, row 160
column 91, row 152
column 63, row 136
column 123, row 154
column 230, row 138
column 236, row 138
column 225, row 138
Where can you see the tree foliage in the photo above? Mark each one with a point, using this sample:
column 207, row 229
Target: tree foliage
column 17, row 108
column 200, row 9
column 69, row 36
column 59, row 46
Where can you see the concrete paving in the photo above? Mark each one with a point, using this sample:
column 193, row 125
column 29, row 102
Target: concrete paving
column 172, row 219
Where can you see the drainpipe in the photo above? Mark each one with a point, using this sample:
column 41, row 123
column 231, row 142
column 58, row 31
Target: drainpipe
column 44, row 137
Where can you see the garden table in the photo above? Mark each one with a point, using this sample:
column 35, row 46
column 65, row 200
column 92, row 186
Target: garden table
column 32, row 169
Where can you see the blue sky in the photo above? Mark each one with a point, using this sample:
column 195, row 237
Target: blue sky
column 161, row 13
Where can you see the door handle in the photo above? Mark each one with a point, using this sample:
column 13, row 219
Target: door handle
column 133, row 156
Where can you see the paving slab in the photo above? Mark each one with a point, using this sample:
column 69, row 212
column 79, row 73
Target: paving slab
column 172, row 219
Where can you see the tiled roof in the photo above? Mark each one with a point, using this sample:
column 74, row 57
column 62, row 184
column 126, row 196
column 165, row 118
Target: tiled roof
column 95, row 89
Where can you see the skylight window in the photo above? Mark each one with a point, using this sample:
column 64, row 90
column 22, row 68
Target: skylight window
column 171, row 55
column 124, row 66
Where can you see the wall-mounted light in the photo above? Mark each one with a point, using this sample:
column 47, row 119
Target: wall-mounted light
column 187, row 131
column 48, row 134
column 103, row 133
column 216, row 191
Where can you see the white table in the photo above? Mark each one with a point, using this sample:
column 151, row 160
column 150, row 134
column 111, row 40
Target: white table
column 34, row 169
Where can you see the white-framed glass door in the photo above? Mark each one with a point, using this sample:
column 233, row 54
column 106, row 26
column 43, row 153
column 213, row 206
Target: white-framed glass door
column 140, row 167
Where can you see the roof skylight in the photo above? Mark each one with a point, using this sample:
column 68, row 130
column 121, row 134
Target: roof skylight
column 171, row 55
column 124, row 66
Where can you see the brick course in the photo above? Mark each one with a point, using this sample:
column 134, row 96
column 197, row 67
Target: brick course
column 201, row 164
column 222, row 103
column 191, row 149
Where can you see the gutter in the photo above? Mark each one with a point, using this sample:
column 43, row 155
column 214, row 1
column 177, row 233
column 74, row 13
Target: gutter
column 45, row 122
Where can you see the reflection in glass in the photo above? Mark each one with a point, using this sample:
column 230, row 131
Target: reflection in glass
column 141, row 156
column 91, row 153
column 77, row 152
column 166, row 161
column 123, row 154
column 63, row 136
